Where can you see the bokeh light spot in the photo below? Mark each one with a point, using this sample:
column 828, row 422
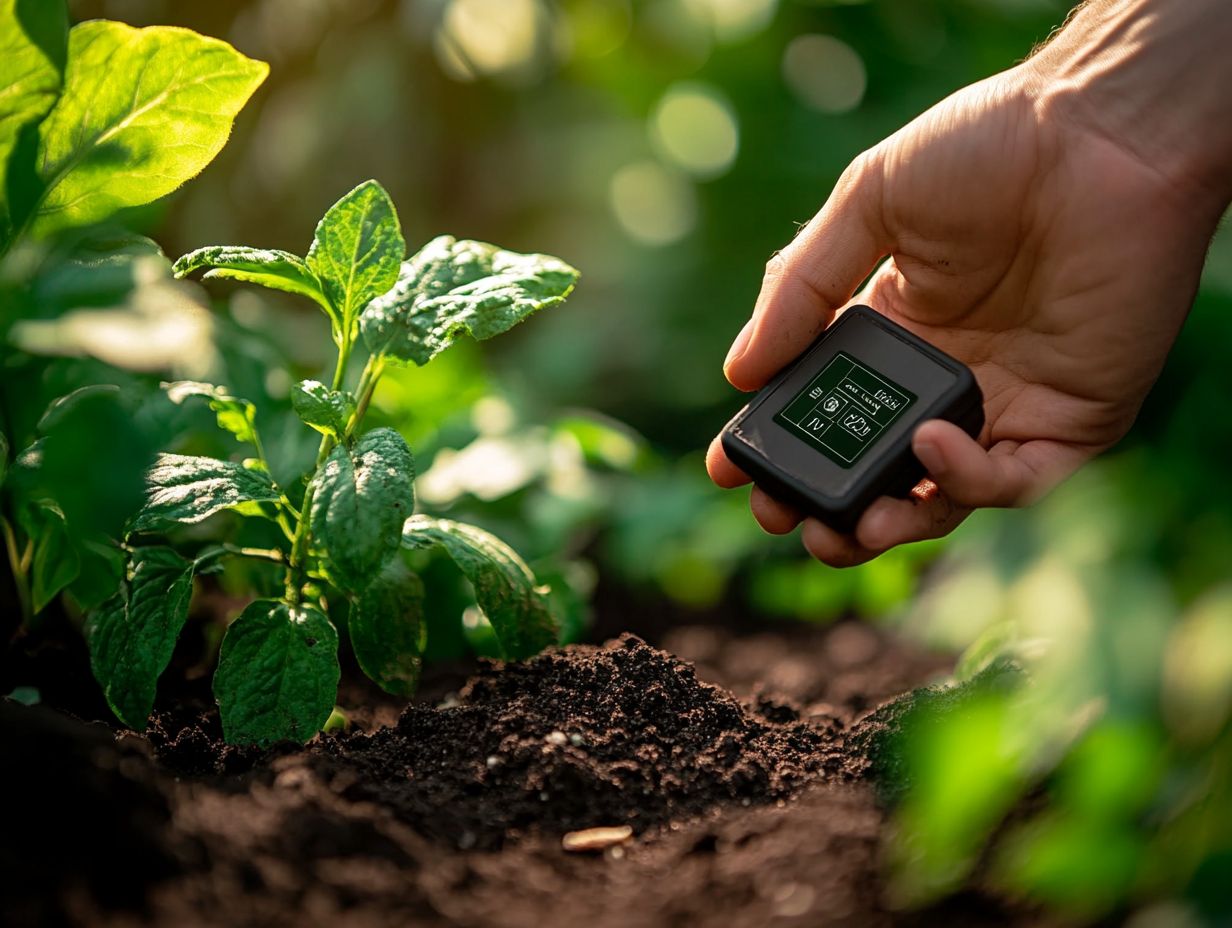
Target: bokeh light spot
column 655, row 206
column 597, row 27
column 695, row 127
column 733, row 20
column 497, row 38
column 824, row 73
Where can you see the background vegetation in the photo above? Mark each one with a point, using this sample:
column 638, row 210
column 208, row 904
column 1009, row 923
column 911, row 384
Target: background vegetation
column 665, row 148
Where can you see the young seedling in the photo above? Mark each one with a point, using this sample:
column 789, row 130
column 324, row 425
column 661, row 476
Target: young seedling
column 278, row 670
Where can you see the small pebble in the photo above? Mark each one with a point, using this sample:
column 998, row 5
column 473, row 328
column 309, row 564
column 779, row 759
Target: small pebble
column 746, row 802
column 557, row 738
column 576, row 740
column 543, row 797
column 598, row 839
column 492, row 761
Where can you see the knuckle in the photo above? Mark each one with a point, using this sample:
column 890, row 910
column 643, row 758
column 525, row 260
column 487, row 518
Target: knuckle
column 776, row 266
column 861, row 166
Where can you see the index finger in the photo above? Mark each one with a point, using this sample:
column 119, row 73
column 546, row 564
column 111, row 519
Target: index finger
column 814, row 276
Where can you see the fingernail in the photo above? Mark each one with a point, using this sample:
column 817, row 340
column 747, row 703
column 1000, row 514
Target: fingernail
column 930, row 456
column 739, row 345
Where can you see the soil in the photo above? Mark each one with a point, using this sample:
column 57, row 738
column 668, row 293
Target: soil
column 739, row 761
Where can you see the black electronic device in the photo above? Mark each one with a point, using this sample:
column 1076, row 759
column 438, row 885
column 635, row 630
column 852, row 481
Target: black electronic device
column 832, row 432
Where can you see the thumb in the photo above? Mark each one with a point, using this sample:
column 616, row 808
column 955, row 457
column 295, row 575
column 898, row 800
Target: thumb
column 810, row 279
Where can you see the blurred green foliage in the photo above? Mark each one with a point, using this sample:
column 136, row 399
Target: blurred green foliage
column 666, row 148
column 1114, row 595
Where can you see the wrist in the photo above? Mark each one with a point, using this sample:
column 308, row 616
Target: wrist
column 1150, row 76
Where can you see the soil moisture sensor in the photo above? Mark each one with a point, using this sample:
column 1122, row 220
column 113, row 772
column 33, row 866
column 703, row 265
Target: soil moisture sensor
column 832, row 432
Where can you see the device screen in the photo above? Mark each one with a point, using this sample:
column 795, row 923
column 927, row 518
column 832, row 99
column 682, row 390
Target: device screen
column 844, row 409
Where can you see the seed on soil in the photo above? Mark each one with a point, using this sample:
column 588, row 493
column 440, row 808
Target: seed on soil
column 597, row 839
column 492, row 761
column 576, row 740
column 557, row 738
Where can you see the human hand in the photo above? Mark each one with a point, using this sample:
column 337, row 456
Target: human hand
column 1045, row 252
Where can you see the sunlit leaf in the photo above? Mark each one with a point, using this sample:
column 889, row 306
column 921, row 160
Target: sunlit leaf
column 33, row 47
column 356, row 250
column 266, row 267
column 142, row 111
column 181, row 489
column 453, row 287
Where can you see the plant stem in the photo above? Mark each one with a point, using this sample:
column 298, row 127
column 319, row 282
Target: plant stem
column 373, row 369
column 367, row 386
column 344, row 355
column 299, row 541
column 20, row 580
column 299, row 544
column 264, row 554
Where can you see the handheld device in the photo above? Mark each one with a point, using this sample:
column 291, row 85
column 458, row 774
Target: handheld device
column 832, row 431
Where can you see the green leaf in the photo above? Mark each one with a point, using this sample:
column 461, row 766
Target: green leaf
column 143, row 110
column 33, row 47
column 504, row 586
column 277, row 675
column 235, row 415
column 277, row 270
column 102, row 566
column 356, row 251
column 4, row 457
column 324, row 409
column 453, row 287
column 132, row 635
column 181, row 489
column 62, row 407
column 55, row 562
column 363, row 495
column 102, row 269
column 387, row 629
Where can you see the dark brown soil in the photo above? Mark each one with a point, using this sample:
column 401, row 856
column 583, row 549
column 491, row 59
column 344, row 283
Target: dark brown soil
column 748, row 809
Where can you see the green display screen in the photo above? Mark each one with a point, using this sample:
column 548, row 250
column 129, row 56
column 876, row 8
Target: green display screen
column 844, row 409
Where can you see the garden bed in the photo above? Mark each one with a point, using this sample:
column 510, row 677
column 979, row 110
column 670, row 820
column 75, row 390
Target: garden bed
column 748, row 805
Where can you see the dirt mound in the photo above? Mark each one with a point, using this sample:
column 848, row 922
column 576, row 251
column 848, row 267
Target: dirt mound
column 620, row 734
column 410, row 825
